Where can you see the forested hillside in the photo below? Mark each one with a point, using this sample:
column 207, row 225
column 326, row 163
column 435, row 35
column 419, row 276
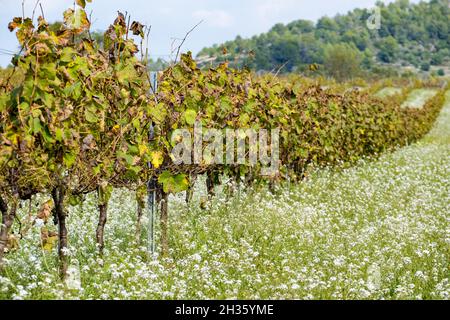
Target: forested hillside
column 410, row 35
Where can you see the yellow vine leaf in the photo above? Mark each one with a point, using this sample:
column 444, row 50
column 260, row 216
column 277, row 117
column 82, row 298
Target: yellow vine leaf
column 50, row 243
column 143, row 149
column 48, row 239
column 157, row 159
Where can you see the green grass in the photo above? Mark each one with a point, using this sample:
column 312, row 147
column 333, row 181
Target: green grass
column 379, row 230
column 418, row 98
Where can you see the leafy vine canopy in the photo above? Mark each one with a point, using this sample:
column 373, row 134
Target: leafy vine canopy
column 83, row 113
column 80, row 110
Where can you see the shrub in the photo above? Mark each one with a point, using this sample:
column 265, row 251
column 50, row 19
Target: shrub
column 425, row 67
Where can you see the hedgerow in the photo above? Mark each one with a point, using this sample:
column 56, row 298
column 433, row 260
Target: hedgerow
column 85, row 119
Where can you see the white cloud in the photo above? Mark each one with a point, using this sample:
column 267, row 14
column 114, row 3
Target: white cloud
column 215, row 18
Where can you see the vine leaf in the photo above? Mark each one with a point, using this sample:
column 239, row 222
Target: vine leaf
column 16, row 23
column 157, row 159
column 190, row 116
column 76, row 21
column 69, row 159
column 82, row 3
column 137, row 28
column 13, row 243
column 126, row 73
column 90, row 116
column 46, row 211
column 48, row 239
column 173, row 183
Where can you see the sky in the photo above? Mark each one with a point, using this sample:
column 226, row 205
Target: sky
column 170, row 19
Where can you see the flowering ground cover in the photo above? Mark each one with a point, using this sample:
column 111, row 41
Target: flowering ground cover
column 417, row 98
column 388, row 92
column 379, row 230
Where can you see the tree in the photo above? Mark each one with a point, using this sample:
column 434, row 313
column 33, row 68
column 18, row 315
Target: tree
column 388, row 49
column 301, row 26
column 342, row 61
column 407, row 31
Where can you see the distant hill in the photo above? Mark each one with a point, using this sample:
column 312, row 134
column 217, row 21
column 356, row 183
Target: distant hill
column 411, row 36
